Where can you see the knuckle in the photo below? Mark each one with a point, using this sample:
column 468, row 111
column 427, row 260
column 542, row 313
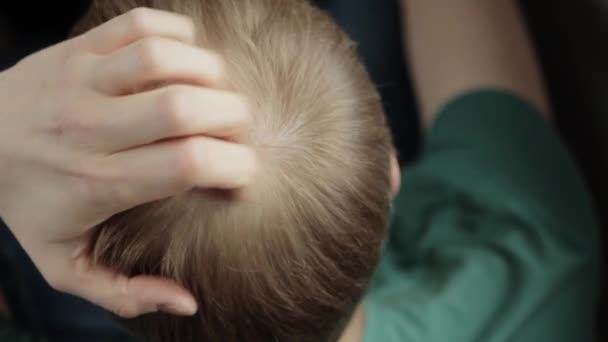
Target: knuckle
column 139, row 20
column 149, row 53
column 189, row 160
column 173, row 105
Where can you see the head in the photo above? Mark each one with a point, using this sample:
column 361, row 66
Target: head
column 291, row 260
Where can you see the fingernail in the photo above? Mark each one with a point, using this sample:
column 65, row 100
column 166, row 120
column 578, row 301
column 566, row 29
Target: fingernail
column 179, row 309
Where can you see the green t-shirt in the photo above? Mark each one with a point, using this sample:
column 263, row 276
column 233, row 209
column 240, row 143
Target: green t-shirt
column 494, row 237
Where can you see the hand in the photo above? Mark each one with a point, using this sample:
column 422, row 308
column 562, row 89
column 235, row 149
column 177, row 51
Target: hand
column 77, row 145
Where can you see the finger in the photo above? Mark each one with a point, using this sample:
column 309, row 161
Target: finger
column 129, row 297
column 172, row 112
column 151, row 61
column 135, row 25
column 166, row 169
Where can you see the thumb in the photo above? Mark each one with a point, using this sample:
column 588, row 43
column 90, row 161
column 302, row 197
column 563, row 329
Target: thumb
column 129, row 297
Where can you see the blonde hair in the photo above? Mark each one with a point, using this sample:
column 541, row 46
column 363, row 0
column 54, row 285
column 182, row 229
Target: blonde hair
column 292, row 261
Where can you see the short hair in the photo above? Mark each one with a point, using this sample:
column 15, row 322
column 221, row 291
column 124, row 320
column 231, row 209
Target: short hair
column 293, row 260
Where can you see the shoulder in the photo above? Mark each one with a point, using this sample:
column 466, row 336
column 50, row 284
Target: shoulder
column 493, row 221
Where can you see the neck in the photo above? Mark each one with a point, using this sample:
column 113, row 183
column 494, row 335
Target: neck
column 354, row 329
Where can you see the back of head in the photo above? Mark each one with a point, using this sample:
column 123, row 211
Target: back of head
column 292, row 260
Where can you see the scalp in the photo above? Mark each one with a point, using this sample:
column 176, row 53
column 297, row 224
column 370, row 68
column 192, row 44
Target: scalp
column 292, row 259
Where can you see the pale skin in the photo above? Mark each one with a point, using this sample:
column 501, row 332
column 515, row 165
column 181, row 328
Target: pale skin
column 488, row 47
column 77, row 146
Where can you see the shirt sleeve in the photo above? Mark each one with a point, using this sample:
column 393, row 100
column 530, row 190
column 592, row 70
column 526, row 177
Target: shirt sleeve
column 494, row 237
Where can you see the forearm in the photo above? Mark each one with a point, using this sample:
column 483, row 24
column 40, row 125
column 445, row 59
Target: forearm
column 456, row 46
